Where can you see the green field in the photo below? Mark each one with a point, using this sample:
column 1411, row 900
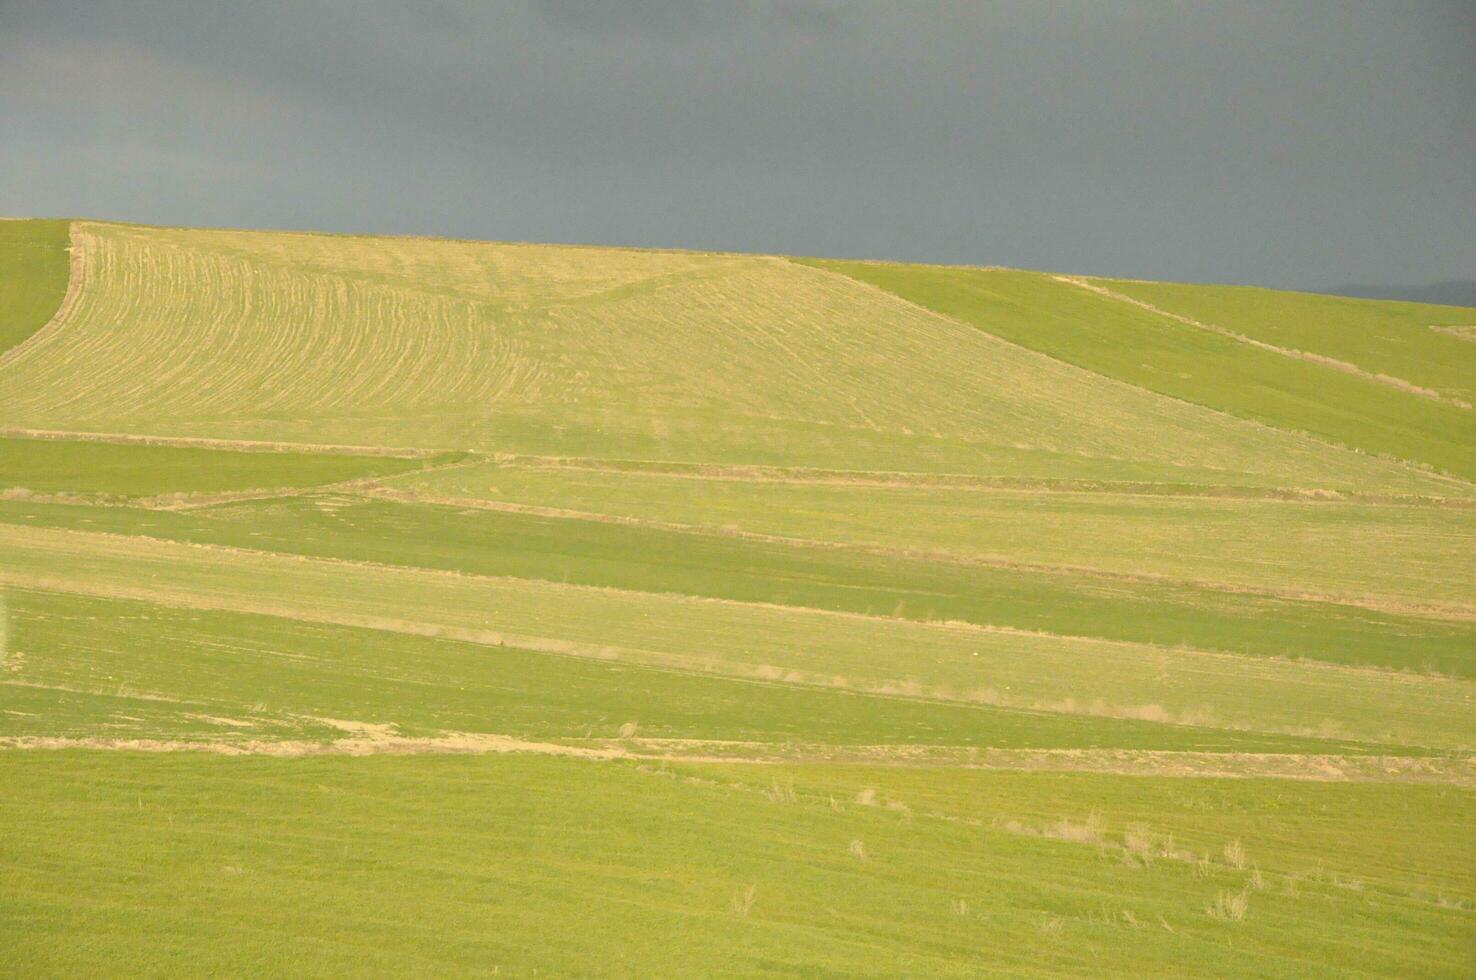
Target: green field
column 399, row 606
column 33, row 277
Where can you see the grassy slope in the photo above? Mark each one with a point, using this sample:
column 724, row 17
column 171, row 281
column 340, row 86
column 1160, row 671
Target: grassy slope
column 1283, row 826
column 599, row 352
column 316, row 867
column 1164, row 355
column 1380, row 336
column 33, row 276
column 127, row 669
column 444, row 618
column 653, row 559
column 116, row 470
column 950, row 662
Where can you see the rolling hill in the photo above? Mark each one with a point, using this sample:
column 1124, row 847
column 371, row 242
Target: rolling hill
column 421, row 606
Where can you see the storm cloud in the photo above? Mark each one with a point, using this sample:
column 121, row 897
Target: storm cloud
column 1293, row 144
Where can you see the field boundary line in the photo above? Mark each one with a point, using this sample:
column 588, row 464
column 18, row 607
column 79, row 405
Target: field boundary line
column 1142, row 762
column 206, row 442
column 805, row 476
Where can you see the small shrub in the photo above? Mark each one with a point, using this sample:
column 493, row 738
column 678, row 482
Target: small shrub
column 858, row 849
column 1089, row 832
column 1235, row 854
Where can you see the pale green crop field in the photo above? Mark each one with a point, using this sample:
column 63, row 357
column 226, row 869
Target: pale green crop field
column 398, row 606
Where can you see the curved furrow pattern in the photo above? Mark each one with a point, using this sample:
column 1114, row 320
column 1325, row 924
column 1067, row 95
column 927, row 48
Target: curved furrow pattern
column 601, row 352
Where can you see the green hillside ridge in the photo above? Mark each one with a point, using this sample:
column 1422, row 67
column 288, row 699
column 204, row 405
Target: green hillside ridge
column 1402, row 340
column 332, row 866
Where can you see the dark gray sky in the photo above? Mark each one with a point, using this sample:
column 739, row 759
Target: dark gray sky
column 1286, row 143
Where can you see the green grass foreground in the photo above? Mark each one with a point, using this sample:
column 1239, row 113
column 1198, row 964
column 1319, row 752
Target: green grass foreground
column 488, row 866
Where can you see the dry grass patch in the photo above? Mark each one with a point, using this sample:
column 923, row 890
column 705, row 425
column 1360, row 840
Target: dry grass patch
column 742, row 903
column 1229, row 906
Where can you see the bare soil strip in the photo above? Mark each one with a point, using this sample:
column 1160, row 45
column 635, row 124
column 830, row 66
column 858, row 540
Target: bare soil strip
column 1377, row 604
column 381, row 740
column 1458, row 332
column 1301, row 355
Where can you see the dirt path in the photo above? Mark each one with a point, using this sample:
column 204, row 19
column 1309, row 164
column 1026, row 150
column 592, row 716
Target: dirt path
column 369, row 740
